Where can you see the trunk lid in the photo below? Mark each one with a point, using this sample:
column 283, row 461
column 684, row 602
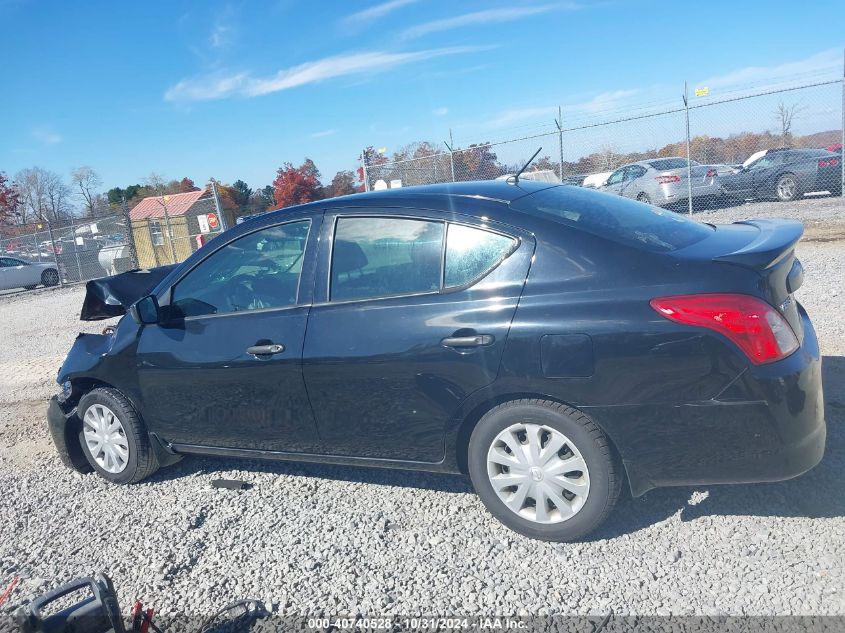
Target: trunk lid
column 766, row 247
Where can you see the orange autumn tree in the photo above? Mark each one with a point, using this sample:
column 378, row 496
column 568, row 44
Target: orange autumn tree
column 297, row 185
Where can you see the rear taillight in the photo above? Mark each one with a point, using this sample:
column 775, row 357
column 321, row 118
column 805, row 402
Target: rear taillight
column 828, row 162
column 752, row 324
column 663, row 180
column 711, row 173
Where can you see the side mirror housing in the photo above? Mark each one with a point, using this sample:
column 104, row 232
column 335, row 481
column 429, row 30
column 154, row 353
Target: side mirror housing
column 145, row 310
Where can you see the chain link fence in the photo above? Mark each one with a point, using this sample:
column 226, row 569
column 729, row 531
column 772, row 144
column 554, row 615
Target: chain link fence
column 722, row 131
column 85, row 249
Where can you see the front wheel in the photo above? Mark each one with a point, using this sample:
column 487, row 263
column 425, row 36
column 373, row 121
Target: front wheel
column 786, row 188
column 114, row 438
column 50, row 277
column 543, row 469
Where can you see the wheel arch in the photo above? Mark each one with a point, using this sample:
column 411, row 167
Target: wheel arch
column 474, row 413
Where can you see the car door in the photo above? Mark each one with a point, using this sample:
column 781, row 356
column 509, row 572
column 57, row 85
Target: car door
column 16, row 273
column 615, row 182
column 223, row 367
column 404, row 328
column 630, row 186
column 6, row 273
column 764, row 172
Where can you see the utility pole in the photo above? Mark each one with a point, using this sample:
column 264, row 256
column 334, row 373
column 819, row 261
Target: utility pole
column 559, row 124
column 689, row 167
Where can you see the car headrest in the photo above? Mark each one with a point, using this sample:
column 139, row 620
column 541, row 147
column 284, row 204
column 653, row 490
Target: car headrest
column 347, row 257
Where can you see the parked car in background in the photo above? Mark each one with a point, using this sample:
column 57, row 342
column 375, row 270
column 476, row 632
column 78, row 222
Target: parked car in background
column 20, row 273
column 596, row 181
column 663, row 181
column 552, row 342
column 786, row 174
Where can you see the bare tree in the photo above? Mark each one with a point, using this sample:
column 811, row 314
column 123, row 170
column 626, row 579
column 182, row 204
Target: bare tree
column 44, row 196
column 785, row 116
column 607, row 157
column 87, row 181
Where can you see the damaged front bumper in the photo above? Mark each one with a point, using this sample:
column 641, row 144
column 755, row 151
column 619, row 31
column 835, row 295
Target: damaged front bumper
column 65, row 427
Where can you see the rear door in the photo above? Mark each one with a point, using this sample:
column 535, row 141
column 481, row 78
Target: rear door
column 615, row 182
column 631, row 185
column 412, row 310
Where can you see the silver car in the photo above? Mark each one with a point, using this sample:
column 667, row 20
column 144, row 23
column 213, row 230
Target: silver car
column 663, row 181
column 19, row 273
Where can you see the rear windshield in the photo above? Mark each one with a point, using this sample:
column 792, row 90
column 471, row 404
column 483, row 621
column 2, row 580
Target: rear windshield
column 615, row 218
column 670, row 163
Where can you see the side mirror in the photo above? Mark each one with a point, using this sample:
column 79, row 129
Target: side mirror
column 145, row 310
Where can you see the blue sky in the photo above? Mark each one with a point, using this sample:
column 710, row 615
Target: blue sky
column 234, row 89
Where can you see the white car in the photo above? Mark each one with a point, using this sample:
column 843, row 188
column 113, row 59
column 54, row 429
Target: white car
column 596, row 181
column 19, row 273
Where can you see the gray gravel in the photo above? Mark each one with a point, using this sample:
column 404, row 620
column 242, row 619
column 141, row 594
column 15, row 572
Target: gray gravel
column 317, row 539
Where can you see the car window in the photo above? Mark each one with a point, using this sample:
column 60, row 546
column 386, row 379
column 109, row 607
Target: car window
column 380, row 257
column 257, row 271
column 765, row 161
column 634, row 171
column 615, row 218
column 664, row 164
column 8, row 262
column 471, row 253
column 616, row 177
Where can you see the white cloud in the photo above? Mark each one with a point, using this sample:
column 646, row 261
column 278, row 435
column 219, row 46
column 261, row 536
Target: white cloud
column 821, row 63
column 46, row 135
column 243, row 84
column 440, row 111
column 600, row 103
column 513, row 117
column 218, row 36
column 487, row 16
column 376, row 12
column 323, row 133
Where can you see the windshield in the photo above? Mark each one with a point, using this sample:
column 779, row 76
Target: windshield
column 615, row 218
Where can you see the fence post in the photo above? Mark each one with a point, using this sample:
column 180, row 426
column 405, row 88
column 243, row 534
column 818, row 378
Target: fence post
column 842, row 149
column 130, row 234
column 364, row 170
column 449, row 146
column 559, row 124
column 169, row 230
column 689, row 168
column 217, row 206
column 55, row 254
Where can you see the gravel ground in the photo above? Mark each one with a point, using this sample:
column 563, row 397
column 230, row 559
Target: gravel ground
column 325, row 540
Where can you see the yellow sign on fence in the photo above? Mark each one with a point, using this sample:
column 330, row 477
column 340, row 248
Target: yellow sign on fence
column 702, row 92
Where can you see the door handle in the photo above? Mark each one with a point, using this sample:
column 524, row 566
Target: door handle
column 265, row 350
column 477, row 340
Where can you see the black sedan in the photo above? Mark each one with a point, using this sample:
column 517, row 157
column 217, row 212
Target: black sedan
column 785, row 175
column 552, row 342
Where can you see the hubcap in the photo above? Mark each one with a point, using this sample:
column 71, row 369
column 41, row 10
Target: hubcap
column 786, row 187
column 105, row 438
column 538, row 473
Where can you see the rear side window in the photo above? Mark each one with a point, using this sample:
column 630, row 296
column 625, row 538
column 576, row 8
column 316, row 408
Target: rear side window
column 379, row 257
column 615, row 218
column 471, row 253
column 670, row 163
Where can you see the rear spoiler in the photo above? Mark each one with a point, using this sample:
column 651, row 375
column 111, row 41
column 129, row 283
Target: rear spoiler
column 111, row 296
column 776, row 239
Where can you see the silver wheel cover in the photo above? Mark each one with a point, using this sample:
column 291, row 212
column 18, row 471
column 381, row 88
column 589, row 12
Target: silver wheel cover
column 105, row 438
column 786, row 187
column 538, row 473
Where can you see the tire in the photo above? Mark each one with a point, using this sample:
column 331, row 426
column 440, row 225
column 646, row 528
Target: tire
column 139, row 459
column 644, row 197
column 786, row 188
column 50, row 277
column 600, row 478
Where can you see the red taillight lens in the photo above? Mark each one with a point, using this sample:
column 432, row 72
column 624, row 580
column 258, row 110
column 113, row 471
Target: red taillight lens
column 828, row 162
column 752, row 324
column 667, row 179
column 711, row 173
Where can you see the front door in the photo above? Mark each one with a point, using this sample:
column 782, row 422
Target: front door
column 224, row 367
column 411, row 318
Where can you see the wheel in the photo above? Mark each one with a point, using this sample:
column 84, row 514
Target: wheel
column 543, row 469
column 50, row 277
column 786, row 188
column 114, row 438
column 644, row 197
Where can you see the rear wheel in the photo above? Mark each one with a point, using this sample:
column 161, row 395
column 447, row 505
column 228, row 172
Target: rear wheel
column 114, row 438
column 50, row 277
column 786, row 188
column 543, row 469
